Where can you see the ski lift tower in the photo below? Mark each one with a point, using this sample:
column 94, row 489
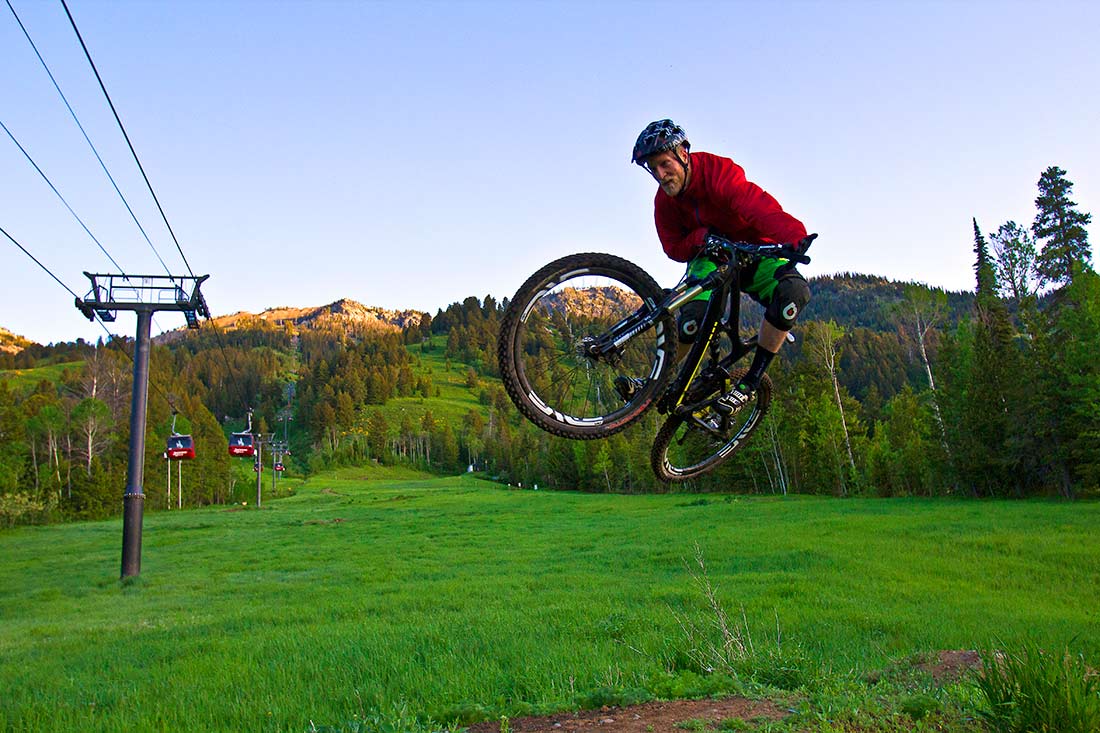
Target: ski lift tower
column 145, row 295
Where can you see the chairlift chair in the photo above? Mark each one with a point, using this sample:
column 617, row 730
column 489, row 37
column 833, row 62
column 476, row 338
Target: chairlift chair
column 242, row 445
column 180, row 448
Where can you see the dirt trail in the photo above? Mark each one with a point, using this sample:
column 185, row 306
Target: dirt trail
column 675, row 716
column 650, row 717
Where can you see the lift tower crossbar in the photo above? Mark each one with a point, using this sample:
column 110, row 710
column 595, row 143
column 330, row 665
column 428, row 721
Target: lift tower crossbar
column 143, row 294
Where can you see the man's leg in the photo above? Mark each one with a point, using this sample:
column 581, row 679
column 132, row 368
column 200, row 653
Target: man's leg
column 788, row 298
column 767, row 346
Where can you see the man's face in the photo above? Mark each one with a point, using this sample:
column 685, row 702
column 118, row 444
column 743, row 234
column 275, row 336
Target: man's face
column 670, row 170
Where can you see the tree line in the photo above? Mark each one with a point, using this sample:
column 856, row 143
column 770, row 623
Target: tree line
column 891, row 389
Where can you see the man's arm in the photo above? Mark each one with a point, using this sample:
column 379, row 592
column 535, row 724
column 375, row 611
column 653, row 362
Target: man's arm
column 760, row 209
column 680, row 238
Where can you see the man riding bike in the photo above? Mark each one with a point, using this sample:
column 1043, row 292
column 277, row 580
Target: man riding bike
column 700, row 194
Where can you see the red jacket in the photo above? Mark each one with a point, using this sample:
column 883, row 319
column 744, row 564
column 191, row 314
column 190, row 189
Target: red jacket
column 720, row 199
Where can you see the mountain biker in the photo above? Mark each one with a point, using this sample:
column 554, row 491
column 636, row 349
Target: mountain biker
column 699, row 194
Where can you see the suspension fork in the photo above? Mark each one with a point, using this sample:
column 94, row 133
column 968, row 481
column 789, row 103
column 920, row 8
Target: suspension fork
column 608, row 346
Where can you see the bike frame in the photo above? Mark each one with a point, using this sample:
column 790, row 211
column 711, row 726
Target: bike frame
column 723, row 314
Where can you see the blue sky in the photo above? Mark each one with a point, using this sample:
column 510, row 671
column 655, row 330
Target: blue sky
column 411, row 154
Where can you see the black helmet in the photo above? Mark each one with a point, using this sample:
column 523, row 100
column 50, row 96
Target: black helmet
column 658, row 137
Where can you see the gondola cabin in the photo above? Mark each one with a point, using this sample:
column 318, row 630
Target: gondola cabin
column 280, row 467
column 242, row 445
column 180, row 448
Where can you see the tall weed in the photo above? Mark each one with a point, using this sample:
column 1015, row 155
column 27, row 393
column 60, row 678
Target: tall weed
column 728, row 647
column 1033, row 691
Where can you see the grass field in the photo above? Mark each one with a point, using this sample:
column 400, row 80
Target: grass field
column 27, row 379
column 376, row 598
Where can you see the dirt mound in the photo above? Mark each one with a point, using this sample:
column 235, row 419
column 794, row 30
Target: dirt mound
column 952, row 664
column 651, row 717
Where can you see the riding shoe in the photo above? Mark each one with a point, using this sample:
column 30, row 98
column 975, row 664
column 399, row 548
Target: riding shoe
column 735, row 399
column 627, row 387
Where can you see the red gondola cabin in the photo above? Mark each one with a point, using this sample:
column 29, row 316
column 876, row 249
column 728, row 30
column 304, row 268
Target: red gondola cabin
column 241, row 445
column 280, row 467
column 180, row 448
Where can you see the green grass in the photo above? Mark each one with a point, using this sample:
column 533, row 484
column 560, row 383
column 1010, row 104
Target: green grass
column 454, row 400
column 1037, row 690
column 26, row 379
column 386, row 595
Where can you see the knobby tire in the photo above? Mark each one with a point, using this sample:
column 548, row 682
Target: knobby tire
column 683, row 451
column 542, row 334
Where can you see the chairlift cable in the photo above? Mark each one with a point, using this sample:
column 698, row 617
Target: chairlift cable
column 63, row 201
column 98, row 320
column 148, row 184
column 37, row 262
column 118, row 119
column 86, row 138
column 85, row 133
column 75, row 215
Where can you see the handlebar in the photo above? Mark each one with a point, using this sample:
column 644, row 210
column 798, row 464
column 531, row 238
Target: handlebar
column 714, row 244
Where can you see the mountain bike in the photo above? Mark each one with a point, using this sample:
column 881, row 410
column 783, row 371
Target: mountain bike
column 585, row 325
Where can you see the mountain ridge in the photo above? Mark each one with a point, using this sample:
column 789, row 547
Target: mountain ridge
column 12, row 343
column 851, row 299
column 338, row 314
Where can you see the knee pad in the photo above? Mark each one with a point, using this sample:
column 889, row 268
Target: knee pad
column 789, row 298
column 689, row 319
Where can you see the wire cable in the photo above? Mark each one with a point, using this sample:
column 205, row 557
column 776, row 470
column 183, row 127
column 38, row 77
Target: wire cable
column 148, row 184
column 141, row 168
column 91, row 145
column 56, row 279
column 86, row 138
column 118, row 119
column 66, row 203
column 229, row 370
column 47, row 270
column 98, row 320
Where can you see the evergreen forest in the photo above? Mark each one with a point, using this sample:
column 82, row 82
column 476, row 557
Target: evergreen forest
column 891, row 389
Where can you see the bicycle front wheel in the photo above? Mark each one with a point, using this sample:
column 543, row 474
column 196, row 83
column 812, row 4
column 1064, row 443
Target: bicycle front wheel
column 693, row 445
column 546, row 336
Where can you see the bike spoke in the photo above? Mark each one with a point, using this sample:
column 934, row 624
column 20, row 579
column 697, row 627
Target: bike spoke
column 547, row 337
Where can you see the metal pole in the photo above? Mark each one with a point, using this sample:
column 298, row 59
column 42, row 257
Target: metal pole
column 134, row 499
column 259, row 468
column 179, row 484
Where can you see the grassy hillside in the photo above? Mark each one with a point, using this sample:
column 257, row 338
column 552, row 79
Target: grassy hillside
column 25, row 379
column 450, row 399
column 381, row 595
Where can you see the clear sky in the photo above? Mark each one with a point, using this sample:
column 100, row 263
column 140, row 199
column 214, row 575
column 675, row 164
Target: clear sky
column 411, row 154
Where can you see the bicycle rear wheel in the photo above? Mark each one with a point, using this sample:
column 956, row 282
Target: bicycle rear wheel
column 544, row 338
column 690, row 446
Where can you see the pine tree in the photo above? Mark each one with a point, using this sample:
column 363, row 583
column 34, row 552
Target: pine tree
column 1061, row 229
column 991, row 309
column 988, row 414
column 1067, row 404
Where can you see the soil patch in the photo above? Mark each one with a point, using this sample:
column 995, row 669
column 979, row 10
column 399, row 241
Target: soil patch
column 951, row 665
column 672, row 716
